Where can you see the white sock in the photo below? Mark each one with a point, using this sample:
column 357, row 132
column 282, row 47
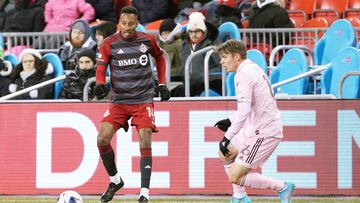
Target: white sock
column 144, row 192
column 239, row 195
column 115, row 179
column 285, row 187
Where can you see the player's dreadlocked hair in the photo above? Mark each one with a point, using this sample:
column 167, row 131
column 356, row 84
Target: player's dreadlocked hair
column 129, row 10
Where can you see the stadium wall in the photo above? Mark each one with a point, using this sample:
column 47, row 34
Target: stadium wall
column 46, row 148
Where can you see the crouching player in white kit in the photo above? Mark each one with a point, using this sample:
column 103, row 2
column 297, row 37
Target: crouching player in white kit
column 255, row 130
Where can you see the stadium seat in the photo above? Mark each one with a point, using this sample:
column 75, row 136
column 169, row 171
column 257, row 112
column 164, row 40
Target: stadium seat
column 228, row 30
column 309, row 38
column 12, row 58
column 257, row 57
column 245, row 23
column 331, row 9
column 353, row 9
column 293, row 63
column 300, row 10
column 355, row 21
column 230, row 85
column 319, row 22
column 58, row 71
column 155, row 25
column 212, row 93
column 348, row 59
column 1, row 41
column 141, row 28
column 339, row 35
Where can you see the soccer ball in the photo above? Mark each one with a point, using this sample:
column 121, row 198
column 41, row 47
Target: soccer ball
column 69, row 196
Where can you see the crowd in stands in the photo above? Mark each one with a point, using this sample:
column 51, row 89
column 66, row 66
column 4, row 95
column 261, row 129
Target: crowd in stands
column 184, row 27
column 31, row 70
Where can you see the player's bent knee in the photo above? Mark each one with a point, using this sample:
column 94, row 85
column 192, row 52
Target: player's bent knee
column 106, row 132
column 101, row 140
column 234, row 178
column 229, row 158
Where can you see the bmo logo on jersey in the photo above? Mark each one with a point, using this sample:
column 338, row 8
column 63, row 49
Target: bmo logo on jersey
column 143, row 60
column 127, row 62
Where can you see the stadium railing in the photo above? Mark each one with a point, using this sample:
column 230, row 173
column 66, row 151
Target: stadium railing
column 342, row 80
column 253, row 38
column 45, row 42
column 37, row 86
column 188, row 67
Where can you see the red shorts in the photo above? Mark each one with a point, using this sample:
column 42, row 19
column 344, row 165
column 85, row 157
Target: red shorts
column 142, row 116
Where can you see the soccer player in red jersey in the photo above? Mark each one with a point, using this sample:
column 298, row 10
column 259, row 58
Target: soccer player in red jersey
column 128, row 55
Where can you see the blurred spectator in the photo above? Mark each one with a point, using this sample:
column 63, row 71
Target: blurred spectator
column 192, row 4
column 9, row 5
column 188, row 7
column 281, row 3
column 3, row 3
column 59, row 14
column 151, row 10
column 79, row 38
column 268, row 14
column 74, row 83
column 170, row 40
column 5, row 70
column 103, row 30
column 104, row 10
column 32, row 70
column 119, row 4
column 201, row 34
column 25, row 17
column 225, row 11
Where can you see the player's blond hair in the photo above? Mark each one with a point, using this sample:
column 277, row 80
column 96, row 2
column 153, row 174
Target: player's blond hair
column 232, row 47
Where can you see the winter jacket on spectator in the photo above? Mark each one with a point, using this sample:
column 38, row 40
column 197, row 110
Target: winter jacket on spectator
column 104, row 9
column 60, row 14
column 270, row 15
column 41, row 71
column 74, row 84
column 68, row 52
column 151, row 10
column 24, row 18
column 170, row 39
column 197, row 67
column 5, row 70
column 224, row 13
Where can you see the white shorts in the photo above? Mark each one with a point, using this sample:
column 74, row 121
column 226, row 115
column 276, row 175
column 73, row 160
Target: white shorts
column 253, row 152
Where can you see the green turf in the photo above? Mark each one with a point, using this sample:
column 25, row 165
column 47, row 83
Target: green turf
column 12, row 199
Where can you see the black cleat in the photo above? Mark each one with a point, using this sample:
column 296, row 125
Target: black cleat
column 142, row 199
column 111, row 190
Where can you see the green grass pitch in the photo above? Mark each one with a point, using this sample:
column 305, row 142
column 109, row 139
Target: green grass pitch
column 179, row 199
